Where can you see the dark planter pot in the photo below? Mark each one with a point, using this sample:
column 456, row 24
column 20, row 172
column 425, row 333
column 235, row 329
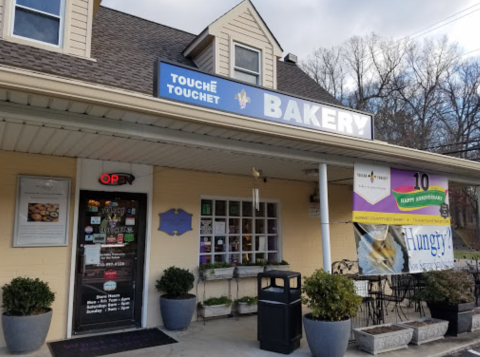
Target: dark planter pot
column 177, row 313
column 327, row 339
column 459, row 316
column 25, row 334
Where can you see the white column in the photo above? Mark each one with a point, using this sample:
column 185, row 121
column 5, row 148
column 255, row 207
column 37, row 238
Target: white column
column 324, row 214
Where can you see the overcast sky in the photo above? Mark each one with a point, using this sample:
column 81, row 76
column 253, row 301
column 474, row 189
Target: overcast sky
column 302, row 25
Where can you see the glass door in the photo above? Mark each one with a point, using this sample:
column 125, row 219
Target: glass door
column 110, row 260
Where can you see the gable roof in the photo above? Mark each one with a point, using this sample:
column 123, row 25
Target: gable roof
column 125, row 48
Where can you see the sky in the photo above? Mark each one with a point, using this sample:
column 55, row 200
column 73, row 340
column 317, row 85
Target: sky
column 303, row 25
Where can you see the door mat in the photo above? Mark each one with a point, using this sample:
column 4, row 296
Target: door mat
column 112, row 343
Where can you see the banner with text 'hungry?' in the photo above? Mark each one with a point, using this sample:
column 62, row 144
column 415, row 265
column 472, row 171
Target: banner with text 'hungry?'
column 389, row 249
column 383, row 195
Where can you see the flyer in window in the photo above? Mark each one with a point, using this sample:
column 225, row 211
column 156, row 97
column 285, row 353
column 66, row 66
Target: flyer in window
column 42, row 211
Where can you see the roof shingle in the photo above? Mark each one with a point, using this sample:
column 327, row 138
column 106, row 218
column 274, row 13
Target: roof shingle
column 125, row 48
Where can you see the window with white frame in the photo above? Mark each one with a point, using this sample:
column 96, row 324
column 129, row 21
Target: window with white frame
column 39, row 20
column 232, row 231
column 247, row 64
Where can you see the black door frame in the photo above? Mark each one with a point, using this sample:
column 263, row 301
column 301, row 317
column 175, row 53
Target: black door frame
column 138, row 279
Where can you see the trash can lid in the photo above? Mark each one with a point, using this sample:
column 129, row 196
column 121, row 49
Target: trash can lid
column 282, row 274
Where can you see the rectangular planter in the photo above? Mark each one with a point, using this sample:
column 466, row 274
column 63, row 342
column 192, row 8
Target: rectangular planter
column 385, row 342
column 475, row 320
column 244, row 308
column 277, row 267
column 427, row 333
column 246, row 271
column 215, row 310
column 459, row 316
column 216, row 274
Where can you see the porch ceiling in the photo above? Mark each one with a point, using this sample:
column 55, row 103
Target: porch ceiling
column 38, row 124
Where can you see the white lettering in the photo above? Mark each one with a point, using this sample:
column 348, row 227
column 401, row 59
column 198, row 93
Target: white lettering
column 198, row 84
column 203, row 96
column 206, row 86
column 217, row 98
column 182, row 80
column 292, row 112
column 194, row 94
column 209, row 98
column 361, row 122
column 178, row 90
column 174, row 77
column 309, row 116
column 170, row 88
column 328, row 118
column 345, row 122
column 214, row 86
column 272, row 105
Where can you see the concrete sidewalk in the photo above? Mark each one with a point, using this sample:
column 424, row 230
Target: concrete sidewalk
column 228, row 337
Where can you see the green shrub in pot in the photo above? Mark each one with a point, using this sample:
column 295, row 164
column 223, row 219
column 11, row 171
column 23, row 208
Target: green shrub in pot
column 177, row 304
column 26, row 314
column 448, row 294
column 333, row 300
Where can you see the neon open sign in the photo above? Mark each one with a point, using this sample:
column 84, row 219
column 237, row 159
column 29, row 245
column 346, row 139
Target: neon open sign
column 116, row 179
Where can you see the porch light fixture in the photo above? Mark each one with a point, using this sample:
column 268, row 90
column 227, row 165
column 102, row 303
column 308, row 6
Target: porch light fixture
column 311, row 172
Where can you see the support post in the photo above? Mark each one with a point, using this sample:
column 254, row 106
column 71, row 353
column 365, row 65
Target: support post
column 324, row 216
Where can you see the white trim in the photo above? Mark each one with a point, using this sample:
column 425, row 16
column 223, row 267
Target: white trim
column 192, row 46
column 73, row 259
column 253, row 252
column 146, row 262
column 241, row 69
column 325, row 217
column 61, row 26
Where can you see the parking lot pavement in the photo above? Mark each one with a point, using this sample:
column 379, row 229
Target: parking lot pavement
column 468, row 352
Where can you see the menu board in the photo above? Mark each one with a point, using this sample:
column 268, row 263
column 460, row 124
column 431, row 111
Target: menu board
column 42, row 211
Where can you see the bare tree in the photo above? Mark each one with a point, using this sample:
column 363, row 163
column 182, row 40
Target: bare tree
column 326, row 67
column 460, row 109
column 427, row 67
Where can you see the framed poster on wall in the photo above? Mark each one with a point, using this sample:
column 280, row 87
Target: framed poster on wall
column 42, row 211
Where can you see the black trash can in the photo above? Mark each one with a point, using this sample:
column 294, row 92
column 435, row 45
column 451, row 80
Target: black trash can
column 279, row 315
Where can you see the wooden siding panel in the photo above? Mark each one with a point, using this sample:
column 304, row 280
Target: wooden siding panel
column 245, row 29
column 206, row 59
column 78, row 28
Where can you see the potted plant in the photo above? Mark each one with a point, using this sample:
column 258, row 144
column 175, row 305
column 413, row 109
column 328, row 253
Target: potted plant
column 215, row 306
column 213, row 271
column 26, row 314
column 275, row 265
column 383, row 338
column 333, row 301
column 426, row 329
column 243, row 270
column 176, row 305
column 247, row 305
column 448, row 294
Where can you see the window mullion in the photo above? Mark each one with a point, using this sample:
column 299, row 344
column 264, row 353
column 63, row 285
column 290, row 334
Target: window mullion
column 38, row 11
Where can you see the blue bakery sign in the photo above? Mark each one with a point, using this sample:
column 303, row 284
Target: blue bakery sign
column 191, row 86
column 175, row 222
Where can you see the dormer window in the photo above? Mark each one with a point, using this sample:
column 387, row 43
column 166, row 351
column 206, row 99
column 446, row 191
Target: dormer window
column 247, row 64
column 40, row 21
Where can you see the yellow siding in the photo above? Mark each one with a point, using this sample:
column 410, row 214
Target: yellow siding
column 49, row 264
column 79, row 28
column 206, row 59
column 245, row 29
column 301, row 234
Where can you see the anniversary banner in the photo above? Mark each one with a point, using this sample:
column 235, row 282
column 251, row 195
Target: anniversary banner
column 387, row 249
column 384, row 195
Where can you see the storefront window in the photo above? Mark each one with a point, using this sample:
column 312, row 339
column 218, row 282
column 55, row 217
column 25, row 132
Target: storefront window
column 234, row 231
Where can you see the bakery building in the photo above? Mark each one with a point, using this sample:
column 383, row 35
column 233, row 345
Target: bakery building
column 108, row 121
